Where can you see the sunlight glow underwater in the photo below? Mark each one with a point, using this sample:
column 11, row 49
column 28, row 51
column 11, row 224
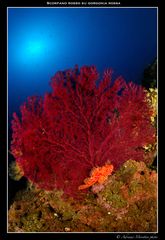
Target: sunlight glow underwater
column 44, row 41
column 33, row 49
column 51, row 39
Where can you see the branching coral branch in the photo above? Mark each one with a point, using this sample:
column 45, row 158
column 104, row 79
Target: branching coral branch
column 80, row 125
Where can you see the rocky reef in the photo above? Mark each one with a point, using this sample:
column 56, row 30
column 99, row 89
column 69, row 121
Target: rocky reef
column 150, row 75
column 125, row 202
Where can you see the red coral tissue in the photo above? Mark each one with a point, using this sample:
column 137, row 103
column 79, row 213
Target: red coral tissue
column 83, row 123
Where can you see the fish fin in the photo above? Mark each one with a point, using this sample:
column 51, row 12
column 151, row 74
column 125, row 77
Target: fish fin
column 102, row 179
column 81, row 187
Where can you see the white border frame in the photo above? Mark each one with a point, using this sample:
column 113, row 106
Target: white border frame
column 157, row 127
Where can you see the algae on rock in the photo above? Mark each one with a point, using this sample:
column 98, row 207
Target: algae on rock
column 126, row 202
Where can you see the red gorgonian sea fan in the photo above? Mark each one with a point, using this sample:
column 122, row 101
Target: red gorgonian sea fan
column 80, row 125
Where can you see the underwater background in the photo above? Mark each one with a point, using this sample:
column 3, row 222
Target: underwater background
column 42, row 41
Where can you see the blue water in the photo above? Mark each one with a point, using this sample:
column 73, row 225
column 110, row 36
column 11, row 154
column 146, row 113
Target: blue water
column 42, row 41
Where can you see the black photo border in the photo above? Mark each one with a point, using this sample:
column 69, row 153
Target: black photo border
column 4, row 4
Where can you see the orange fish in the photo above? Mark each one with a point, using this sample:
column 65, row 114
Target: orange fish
column 98, row 174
